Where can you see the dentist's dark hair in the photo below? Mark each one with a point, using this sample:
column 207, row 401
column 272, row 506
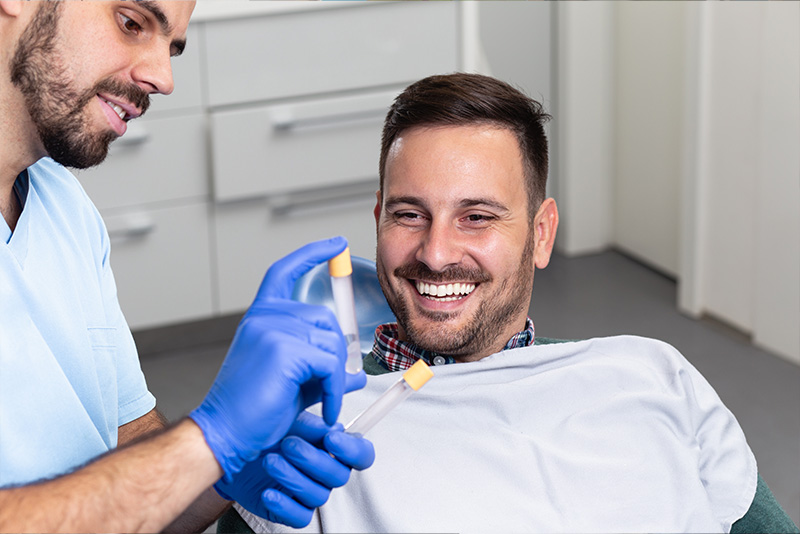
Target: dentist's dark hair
column 462, row 99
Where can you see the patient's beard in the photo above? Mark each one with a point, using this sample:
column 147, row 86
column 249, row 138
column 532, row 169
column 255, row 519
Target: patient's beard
column 430, row 331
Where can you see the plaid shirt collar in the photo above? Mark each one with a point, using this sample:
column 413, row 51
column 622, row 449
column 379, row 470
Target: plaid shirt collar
column 396, row 355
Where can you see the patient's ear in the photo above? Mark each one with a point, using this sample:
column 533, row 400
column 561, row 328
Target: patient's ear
column 11, row 8
column 545, row 225
column 377, row 210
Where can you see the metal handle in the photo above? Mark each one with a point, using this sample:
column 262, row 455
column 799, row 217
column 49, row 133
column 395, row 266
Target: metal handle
column 322, row 199
column 330, row 112
column 130, row 226
column 137, row 134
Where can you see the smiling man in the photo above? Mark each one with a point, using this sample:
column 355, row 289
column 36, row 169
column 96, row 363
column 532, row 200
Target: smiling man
column 74, row 406
column 516, row 433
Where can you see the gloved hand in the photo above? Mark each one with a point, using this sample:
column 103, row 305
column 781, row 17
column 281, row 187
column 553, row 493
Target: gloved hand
column 286, row 484
column 285, row 356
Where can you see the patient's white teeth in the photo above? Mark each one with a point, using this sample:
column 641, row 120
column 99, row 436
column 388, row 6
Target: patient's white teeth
column 447, row 292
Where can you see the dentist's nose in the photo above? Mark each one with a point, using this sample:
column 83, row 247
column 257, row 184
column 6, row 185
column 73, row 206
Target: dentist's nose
column 153, row 71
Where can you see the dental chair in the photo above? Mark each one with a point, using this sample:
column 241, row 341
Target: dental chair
column 372, row 309
column 765, row 515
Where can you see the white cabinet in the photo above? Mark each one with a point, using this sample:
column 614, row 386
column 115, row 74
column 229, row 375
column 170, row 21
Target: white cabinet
column 326, row 51
column 297, row 103
column 162, row 263
column 270, row 140
column 252, row 234
column 264, row 150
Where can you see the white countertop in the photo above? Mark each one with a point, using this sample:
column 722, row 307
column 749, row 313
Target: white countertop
column 224, row 9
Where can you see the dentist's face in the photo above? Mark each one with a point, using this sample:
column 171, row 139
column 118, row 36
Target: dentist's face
column 86, row 68
column 455, row 252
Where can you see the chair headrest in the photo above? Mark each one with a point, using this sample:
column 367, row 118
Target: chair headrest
column 372, row 309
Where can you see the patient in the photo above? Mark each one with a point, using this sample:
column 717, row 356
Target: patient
column 514, row 433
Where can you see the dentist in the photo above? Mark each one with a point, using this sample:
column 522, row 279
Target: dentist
column 82, row 446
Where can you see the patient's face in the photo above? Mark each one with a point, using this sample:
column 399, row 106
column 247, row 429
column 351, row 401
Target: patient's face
column 455, row 258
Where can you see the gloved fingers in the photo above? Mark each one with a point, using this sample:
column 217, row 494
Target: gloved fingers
column 328, row 341
column 283, row 509
column 355, row 381
column 295, row 482
column 350, row 449
column 310, row 427
column 322, row 378
column 281, row 276
column 297, row 316
column 316, row 463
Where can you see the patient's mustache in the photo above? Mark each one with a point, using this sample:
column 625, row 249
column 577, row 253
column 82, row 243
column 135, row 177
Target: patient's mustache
column 455, row 273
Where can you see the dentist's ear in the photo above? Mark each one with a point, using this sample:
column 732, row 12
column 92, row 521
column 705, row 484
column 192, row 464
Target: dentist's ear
column 12, row 8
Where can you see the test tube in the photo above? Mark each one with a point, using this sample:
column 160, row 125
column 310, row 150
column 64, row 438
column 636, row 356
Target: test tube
column 414, row 378
column 341, row 271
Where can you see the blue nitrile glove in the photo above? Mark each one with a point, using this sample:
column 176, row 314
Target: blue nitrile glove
column 286, row 484
column 285, row 356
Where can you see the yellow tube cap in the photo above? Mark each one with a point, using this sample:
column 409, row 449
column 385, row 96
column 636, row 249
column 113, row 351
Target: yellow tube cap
column 341, row 265
column 417, row 375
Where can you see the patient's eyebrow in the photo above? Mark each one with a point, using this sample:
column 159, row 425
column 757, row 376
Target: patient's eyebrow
column 420, row 202
column 488, row 202
column 393, row 202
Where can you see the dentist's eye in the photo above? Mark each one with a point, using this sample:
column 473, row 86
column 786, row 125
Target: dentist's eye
column 130, row 25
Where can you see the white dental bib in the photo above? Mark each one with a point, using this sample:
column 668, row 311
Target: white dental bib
column 616, row 434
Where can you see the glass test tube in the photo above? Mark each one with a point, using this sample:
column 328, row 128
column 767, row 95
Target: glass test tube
column 341, row 270
column 414, row 378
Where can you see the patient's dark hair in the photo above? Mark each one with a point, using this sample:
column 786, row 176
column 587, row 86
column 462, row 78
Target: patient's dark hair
column 462, row 99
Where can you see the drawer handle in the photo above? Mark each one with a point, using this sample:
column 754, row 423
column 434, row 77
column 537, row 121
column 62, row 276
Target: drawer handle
column 132, row 226
column 285, row 120
column 322, row 199
column 136, row 135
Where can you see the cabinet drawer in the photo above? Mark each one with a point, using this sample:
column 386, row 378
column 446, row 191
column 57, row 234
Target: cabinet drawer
column 300, row 145
column 162, row 264
column 328, row 50
column 156, row 160
column 251, row 236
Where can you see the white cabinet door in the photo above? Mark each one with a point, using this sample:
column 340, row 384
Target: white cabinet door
column 326, row 51
column 297, row 145
column 251, row 236
column 162, row 263
column 157, row 160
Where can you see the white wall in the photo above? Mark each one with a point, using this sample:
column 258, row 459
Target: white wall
column 584, row 118
column 648, row 122
column 679, row 142
column 741, row 243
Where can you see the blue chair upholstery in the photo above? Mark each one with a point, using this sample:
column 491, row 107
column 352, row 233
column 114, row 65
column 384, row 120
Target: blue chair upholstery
column 371, row 307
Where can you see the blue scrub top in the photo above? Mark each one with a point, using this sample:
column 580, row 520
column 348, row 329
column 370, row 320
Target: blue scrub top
column 69, row 372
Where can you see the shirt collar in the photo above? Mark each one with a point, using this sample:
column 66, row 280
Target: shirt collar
column 396, row 355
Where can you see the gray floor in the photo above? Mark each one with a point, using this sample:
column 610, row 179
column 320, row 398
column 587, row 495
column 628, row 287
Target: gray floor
column 596, row 295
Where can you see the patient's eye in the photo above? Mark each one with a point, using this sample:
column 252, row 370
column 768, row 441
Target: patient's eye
column 409, row 218
column 478, row 220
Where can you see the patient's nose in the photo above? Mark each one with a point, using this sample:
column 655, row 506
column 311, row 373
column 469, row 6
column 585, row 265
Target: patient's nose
column 441, row 247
